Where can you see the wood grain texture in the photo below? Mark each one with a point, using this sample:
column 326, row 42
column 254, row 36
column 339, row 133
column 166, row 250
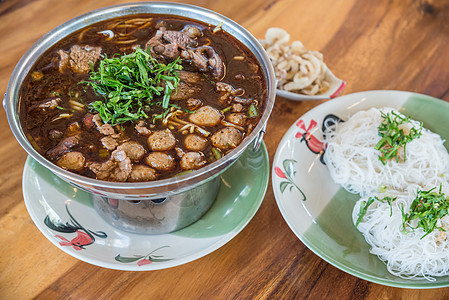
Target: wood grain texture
column 372, row 44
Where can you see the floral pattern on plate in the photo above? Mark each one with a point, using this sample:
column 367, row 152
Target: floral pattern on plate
column 289, row 175
column 84, row 237
column 314, row 144
column 143, row 259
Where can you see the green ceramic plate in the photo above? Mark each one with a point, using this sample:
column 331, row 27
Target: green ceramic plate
column 64, row 214
column 316, row 209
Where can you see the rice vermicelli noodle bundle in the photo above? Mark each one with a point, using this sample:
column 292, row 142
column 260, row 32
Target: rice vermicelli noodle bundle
column 353, row 161
column 405, row 253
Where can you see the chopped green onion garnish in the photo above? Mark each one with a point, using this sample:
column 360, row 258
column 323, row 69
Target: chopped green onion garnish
column 389, row 200
column 210, row 80
column 216, row 153
column 130, row 84
column 365, row 204
column 226, row 109
column 253, row 111
column 393, row 137
column 183, row 173
column 427, row 208
column 363, row 209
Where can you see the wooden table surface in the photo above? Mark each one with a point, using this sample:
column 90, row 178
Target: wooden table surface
column 378, row 44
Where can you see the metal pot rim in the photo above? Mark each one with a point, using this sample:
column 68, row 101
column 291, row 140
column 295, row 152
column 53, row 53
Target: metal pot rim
column 22, row 68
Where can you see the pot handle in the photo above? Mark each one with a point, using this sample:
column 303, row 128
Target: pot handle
column 259, row 138
column 4, row 102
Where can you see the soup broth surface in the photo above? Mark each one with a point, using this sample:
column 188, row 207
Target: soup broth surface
column 218, row 96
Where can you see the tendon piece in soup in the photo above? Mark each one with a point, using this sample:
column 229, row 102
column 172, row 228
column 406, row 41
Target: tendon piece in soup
column 141, row 98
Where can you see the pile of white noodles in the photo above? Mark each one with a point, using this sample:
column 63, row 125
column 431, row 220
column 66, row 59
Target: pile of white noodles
column 353, row 163
column 297, row 69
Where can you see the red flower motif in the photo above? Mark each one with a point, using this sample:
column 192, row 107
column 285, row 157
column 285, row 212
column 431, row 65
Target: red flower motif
column 65, row 242
column 302, row 125
column 143, row 262
column 82, row 239
column 315, row 145
column 279, row 172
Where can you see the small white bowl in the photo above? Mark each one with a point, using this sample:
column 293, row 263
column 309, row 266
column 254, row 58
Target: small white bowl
column 335, row 89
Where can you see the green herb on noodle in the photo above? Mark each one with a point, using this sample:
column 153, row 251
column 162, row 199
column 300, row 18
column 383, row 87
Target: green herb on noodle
column 389, row 200
column 365, row 204
column 363, row 209
column 427, row 208
column 393, row 136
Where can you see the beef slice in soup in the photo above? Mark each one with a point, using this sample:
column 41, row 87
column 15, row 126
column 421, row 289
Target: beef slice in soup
column 169, row 43
column 79, row 58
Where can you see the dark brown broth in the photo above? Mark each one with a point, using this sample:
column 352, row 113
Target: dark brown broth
column 37, row 125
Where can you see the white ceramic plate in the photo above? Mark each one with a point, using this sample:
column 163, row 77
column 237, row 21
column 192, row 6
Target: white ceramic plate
column 64, row 214
column 317, row 210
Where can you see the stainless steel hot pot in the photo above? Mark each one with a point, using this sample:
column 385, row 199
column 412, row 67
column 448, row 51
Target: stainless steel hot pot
column 145, row 207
